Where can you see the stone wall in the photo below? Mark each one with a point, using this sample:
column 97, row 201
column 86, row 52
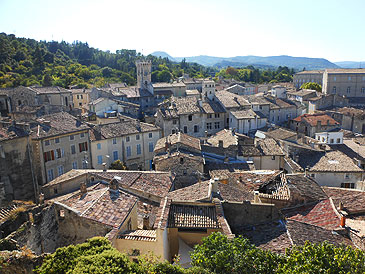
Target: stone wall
column 239, row 215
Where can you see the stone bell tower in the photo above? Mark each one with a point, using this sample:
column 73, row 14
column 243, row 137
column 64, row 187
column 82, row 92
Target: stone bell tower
column 144, row 69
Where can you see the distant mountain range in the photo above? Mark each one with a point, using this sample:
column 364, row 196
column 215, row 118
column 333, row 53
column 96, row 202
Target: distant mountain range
column 351, row 64
column 298, row 63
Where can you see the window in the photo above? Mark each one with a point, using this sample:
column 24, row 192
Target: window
column 173, row 131
column 181, row 160
column 349, row 78
column 209, row 125
column 46, row 142
column 50, row 175
column 216, row 115
column 363, row 90
column 174, row 122
column 98, row 146
column 347, row 176
column 216, row 125
column 82, row 135
column 150, row 135
column 139, row 149
column 137, row 137
column 72, row 137
column 74, row 165
column 100, row 159
column 196, row 128
column 115, row 155
column 338, row 140
column 190, row 117
column 127, row 139
column 78, row 97
column 59, row 153
column 331, row 140
column 150, row 147
column 313, row 175
column 209, row 116
column 48, row 156
column 57, row 140
column 334, row 90
column 60, row 170
column 73, row 149
column 273, row 157
column 348, row 89
column 83, row 146
column 114, row 141
column 334, row 78
column 185, row 129
column 347, row 185
column 129, row 151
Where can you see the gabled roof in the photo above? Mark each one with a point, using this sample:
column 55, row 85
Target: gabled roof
column 247, row 114
column 122, row 128
column 269, row 147
column 100, row 204
column 353, row 200
column 178, row 138
column 12, row 132
column 231, row 100
column 57, row 124
column 225, row 135
column 313, row 119
column 320, row 214
column 281, row 133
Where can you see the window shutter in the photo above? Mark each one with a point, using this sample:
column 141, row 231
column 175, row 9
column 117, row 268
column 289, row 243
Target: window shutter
column 45, row 156
column 86, row 146
column 52, row 154
column 80, row 147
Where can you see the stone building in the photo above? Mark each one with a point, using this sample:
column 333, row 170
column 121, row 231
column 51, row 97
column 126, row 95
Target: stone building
column 347, row 82
column 310, row 124
column 352, row 119
column 60, row 143
column 17, row 179
column 180, row 154
column 247, row 121
column 80, row 97
column 129, row 141
column 314, row 76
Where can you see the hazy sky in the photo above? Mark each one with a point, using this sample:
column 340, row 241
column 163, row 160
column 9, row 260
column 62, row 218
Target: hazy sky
column 331, row 29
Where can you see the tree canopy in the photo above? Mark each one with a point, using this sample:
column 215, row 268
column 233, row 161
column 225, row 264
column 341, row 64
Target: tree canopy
column 216, row 254
column 312, row 85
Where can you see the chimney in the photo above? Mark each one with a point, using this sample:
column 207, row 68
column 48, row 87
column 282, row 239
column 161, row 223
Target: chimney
column 166, row 145
column 343, row 222
column 220, row 143
column 306, row 172
column 114, row 184
column 200, row 102
column 340, row 206
column 256, row 198
column 138, row 125
column 319, row 124
column 146, row 221
column 214, row 184
column 328, row 122
column 104, row 167
column 41, row 199
column 83, row 188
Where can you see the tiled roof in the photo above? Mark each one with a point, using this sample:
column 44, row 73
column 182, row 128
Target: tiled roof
column 112, row 130
column 195, row 192
column 269, row 146
column 148, row 182
column 211, row 107
column 313, row 119
column 301, row 232
column 360, row 70
column 231, row 100
column 353, row 200
column 249, row 150
column 139, row 235
column 224, row 170
column 320, row 214
column 281, row 133
column 348, row 111
column 302, row 92
column 11, row 132
column 330, row 161
column 134, row 92
column 303, row 186
column 59, row 123
column 225, row 135
column 185, row 105
column 168, row 85
column 193, row 216
column 102, row 205
column 246, row 114
column 178, row 138
column 73, row 173
column 230, row 193
column 45, row 90
column 311, row 72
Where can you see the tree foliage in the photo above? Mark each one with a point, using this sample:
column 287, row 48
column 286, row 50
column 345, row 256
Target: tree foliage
column 255, row 75
column 119, row 165
column 29, row 62
column 312, row 85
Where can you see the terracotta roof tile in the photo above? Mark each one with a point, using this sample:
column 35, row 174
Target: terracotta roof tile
column 313, row 119
column 353, row 200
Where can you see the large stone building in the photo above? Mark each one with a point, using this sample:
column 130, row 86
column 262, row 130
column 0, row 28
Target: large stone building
column 130, row 141
column 60, row 143
column 315, row 76
column 347, row 82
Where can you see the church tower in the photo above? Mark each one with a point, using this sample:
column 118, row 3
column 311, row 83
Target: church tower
column 144, row 69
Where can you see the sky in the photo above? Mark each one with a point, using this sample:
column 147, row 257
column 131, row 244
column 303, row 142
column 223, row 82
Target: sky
column 331, row 29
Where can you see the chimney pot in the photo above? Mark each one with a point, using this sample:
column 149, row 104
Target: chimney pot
column 83, row 188
column 340, row 205
column 343, row 221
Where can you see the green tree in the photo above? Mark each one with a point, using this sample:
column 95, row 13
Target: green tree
column 118, row 164
column 311, row 85
column 322, row 258
column 218, row 254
